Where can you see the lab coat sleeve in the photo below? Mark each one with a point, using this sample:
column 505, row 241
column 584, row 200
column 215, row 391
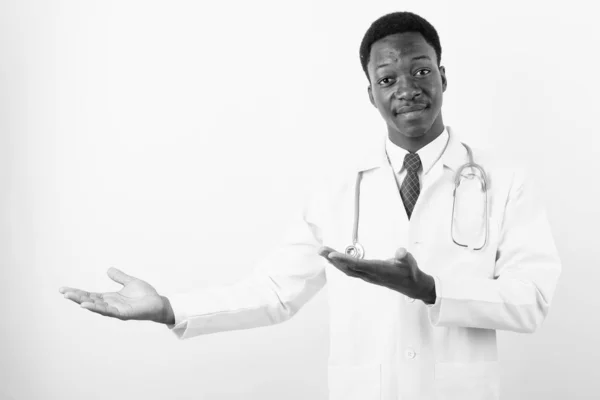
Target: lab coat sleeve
column 518, row 296
column 280, row 285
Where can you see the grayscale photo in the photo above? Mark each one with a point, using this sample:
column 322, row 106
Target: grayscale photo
column 319, row 200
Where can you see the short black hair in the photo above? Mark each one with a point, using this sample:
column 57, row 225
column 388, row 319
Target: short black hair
column 398, row 22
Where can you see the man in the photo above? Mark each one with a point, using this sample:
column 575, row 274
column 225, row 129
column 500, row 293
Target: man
column 446, row 263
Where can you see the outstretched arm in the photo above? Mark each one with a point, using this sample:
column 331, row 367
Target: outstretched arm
column 278, row 288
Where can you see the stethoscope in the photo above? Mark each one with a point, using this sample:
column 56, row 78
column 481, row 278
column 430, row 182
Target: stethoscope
column 357, row 250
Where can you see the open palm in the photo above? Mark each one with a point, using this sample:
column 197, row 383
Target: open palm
column 137, row 300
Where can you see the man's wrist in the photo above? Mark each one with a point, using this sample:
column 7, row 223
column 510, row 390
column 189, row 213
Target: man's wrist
column 168, row 314
column 429, row 296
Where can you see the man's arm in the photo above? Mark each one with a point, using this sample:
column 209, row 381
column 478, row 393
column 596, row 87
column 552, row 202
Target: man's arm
column 278, row 288
column 168, row 314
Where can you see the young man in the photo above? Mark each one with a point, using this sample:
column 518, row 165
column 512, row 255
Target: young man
column 451, row 254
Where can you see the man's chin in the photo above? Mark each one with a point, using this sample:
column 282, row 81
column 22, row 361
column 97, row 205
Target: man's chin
column 412, row 132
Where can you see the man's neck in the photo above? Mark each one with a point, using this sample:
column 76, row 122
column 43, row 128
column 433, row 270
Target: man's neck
column 414, row 144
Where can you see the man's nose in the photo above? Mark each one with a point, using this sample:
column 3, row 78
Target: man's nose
column 407, row 89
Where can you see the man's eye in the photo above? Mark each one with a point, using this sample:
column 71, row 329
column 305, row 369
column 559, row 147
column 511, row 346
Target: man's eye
column 385, row 81
column 423, row 72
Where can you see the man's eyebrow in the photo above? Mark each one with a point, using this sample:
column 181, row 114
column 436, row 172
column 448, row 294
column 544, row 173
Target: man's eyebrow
column 421, row 57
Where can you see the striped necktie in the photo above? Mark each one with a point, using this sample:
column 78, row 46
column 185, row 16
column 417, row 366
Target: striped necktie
column 410, row 189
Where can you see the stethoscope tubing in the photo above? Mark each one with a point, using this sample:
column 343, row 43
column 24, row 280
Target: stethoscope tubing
column 357, row 250
column 484, row 188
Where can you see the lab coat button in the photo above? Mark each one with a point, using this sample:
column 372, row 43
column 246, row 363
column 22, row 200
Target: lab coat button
column 410, row 353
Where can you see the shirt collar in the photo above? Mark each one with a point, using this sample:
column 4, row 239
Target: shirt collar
column 453, row 157
column 429, row 154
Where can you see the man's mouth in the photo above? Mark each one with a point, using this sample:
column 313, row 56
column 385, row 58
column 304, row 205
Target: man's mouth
column 410, row 110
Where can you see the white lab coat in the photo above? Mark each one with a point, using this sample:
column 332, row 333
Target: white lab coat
column 384, row 345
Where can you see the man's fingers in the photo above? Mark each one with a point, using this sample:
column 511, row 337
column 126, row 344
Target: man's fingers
column 102, row 308
column 393, row 271
column 325, row 251
column 353, row 267
column 404, row 256
column 411, row 259
column 80, row 296
column 354, row 273
column 75, row 298
column 67, row 290
column 76, row 295
column 360, row 274
column 368, row 266
column 94, row 302
column 373, row 271
column 119, row 276
column 401, row 253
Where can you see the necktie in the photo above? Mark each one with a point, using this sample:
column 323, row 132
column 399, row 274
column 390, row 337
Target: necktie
column 410, row 189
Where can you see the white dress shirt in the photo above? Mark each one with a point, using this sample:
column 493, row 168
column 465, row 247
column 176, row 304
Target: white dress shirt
column 429, row 155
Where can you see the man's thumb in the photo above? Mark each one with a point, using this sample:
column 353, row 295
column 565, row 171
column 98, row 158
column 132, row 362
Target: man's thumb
column 119, row 276
column 401, row 253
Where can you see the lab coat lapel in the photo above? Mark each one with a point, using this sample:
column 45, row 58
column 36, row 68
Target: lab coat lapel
column 435, row 199
column 452, row 158
column 384, row 224
column 383, row 218
column 455, row 155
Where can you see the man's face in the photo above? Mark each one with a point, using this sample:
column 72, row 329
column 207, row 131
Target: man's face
column 406, row 85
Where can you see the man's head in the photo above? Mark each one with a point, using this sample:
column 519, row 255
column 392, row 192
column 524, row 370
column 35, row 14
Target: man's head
column 400, row 54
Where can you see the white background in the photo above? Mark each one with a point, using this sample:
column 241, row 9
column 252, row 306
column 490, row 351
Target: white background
column 173, row 139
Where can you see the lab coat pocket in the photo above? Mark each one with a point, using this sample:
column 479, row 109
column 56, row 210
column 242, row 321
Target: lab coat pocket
column 355, row 382
column 467, row 381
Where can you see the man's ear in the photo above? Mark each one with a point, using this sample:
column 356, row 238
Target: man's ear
column 371, row 99
column 444, row 80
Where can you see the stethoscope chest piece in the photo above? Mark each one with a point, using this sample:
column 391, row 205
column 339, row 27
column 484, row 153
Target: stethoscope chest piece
column 355, row 250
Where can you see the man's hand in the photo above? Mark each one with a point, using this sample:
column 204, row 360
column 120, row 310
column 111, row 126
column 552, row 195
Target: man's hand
column 400, row 273
column 136, row 300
